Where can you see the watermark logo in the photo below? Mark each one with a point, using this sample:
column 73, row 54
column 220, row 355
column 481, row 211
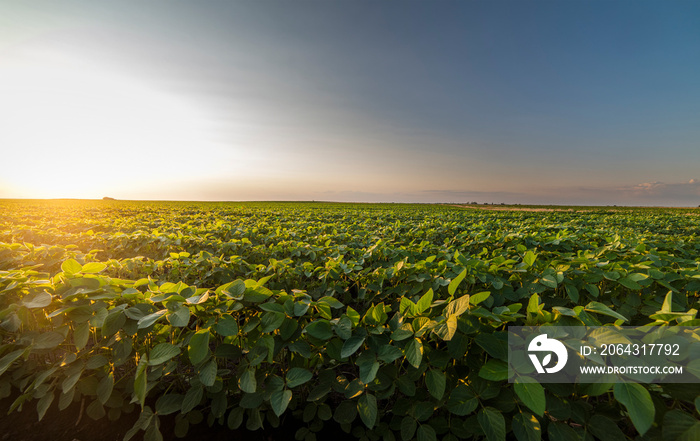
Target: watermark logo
column 543, row 344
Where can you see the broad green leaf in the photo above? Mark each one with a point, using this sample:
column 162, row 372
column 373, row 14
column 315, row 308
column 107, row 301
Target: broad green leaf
column 113, row 323
column 408, row 428
column 668, row 300
column 458, row 306
column 531, row 393
column 298, row 376
column 426, row 433
column 207, row 375
column 71, row 266
column 493, row 345
column 279, row 401
column 235, row 289
column 93, row 268
column 435, row 381
column 447, row 329
column 679, row 426
column 526, row 427
column 479, row 297
column 388, row 353
column 344, row 327
column 367, row 408
column 141, row 382
column 320, row 329
column 452, row 287
column 247, row 382
column 413, row 351
column 558, row 431
column 549, row 280
column 605, row 429
column 407, row 307
column 192, row 398
column 353, row 315
column 151, row 318
column 180, row 317
column 351, row 345
column 48, row 340
column 271, row 321
column 368, row 371
column 199, row 346
column 602, row 309
column 227, row 326
column 81, row 334
column 462, row 401
column 162, row 352
column 169, row 403
column 43, row 404
column 494, row 370
column 629, row 283
column 346, row 412
column 529, row 258
column 41, row 300
column 637, row 401
column 425, row 301
column 332, row 302
column 104, row 388
column 492, row 423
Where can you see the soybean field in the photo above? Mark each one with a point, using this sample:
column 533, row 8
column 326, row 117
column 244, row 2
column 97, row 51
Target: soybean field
column 384, row 321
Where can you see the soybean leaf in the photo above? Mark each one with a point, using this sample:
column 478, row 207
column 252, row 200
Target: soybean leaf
column 492, row 423
column 425, row 301
column 320, row 329
column 151, row 318
column 93, row 268
column 351, row 345
column 298, row 376
column 169, row 403
column 531, row 393
column 247, row 382
column 526, row 427
column 413, row 351
column 192, row 398
column 605, row 429
column 462, row 401
column 452, row 287
column 435, row 381
column 494, row 370
column 426, row 433
column 227, row 326
column 679, row 426
column 367, row 408
column 562, row 432
column 279, row 401
column 40, row 300
column 161, row 353
column 199, row 346
column 408, row 428
column 602, row 309
column 207, row 375
column 637, row 401
column 104, row 388
column 71, row 266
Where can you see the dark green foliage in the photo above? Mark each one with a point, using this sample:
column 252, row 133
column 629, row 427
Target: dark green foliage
column 388, row 319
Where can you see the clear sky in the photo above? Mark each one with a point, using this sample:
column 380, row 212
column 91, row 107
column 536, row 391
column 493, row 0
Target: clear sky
column 562, row 102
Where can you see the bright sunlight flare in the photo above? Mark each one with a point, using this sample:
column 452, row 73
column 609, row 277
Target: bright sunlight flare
column 73, row 130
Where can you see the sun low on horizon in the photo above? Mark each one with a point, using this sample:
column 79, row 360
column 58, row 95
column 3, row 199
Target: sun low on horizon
column 75, row 130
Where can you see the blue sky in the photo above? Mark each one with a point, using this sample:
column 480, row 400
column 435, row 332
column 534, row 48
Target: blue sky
column 576, row 102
